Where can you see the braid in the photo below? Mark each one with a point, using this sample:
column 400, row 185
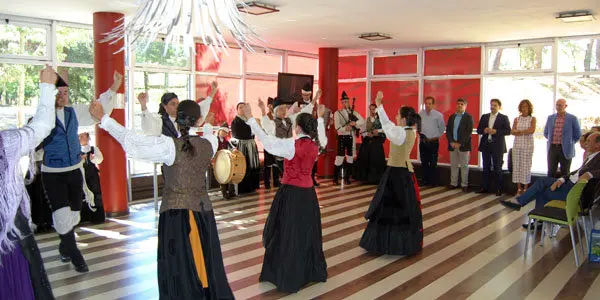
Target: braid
column 308, row 125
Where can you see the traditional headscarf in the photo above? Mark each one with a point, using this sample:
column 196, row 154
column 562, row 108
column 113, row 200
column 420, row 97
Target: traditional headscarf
column 12, row 189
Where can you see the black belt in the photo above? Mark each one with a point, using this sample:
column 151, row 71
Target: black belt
column 556, row 145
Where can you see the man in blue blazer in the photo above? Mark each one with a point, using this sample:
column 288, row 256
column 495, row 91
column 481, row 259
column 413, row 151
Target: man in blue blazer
column 563, row 132
column 492, row 128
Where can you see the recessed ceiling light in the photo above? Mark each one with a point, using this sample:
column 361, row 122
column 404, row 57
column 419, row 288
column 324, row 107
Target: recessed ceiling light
column 256, row 8
column 375, row 36
column 576, row 16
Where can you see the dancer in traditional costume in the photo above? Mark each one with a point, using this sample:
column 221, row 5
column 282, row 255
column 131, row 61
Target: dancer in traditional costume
column 228, row 189
column 370, row 161
column 92, row 211
column 292, row 236
column 22, row 273
column 395, row 221
column 190, row 264
column 243, row 139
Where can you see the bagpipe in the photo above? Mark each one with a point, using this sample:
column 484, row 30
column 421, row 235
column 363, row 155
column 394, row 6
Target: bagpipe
column 352, row 118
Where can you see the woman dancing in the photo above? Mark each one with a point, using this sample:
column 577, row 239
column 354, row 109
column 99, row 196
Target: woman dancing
column 292, row 236
column 395, row 220
column 190, row 264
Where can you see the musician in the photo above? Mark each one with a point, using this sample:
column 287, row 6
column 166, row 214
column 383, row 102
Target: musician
column 228, row 190
column 347, row 121
column 243, row 139
column 370, row 161
column 189, row 260
column 292, row 235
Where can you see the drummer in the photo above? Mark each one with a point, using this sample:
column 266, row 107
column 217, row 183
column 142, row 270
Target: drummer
column 228, row 189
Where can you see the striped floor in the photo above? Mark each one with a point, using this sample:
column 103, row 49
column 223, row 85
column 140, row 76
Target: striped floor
column 473, row 249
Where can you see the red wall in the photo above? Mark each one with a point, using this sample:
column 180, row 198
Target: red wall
column 352, row 67
column 391, row 65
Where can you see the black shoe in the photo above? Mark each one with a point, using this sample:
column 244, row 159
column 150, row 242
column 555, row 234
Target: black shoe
column 539, row 225
column 465, row 189
column 482, row 191
column 69, row 245
column 315, row 183
column 451, row 187
column 499, row 193
column 64, row 258
column 267, row 186
column 511, row 205
column 347, row 181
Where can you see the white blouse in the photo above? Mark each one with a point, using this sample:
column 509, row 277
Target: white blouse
column 152, row 123
column 159, row 149
column 285, row 148
column 269, row 125
column 396, row 134
column 43, row 121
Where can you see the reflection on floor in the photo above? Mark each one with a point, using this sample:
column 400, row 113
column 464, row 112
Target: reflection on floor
column 473, row 249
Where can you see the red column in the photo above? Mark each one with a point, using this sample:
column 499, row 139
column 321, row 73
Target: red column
column 328, row 83
column 113, row 176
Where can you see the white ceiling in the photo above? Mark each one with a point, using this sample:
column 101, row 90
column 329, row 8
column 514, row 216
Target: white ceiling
column 306, row 25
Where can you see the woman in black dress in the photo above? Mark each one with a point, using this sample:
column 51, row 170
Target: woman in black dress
column 370, row 162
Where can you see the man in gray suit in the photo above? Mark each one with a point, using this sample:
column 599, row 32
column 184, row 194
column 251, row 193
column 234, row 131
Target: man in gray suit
column 458, row 130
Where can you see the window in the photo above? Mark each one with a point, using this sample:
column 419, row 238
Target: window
column 19, row 94
column 580, row 55
column 155, row 56
column 74, row 45
column 23, row 40
column 263, row 63
column 511, row 90
column 521, row 58
column 303, row 65
column 392, row 65
column 227, row 64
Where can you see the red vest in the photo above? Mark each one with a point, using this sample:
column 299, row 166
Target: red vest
column 297, row 171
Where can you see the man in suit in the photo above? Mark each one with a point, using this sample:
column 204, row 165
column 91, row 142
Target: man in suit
column 492, row 128
column 562, row 131
column 458, row 132
column 548, row 188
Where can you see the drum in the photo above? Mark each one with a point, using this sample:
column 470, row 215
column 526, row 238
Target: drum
column 229, row 166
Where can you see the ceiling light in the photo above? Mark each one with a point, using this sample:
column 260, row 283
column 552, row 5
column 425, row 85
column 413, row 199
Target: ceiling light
column 375, row 36
column 183, row 20
column 576, row 16
column 256, row 8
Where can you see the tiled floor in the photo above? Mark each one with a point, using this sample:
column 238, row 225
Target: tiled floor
column 473, row 249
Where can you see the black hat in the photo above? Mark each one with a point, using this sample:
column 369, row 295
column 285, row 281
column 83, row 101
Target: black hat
column 270, row 101
column 307, row 87
column 277, row 101
column 60, row 82
column 344, row 96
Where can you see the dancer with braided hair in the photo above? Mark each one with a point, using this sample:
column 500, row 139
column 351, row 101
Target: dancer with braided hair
column 292, row 236
column 395, row 220
column 190, row 263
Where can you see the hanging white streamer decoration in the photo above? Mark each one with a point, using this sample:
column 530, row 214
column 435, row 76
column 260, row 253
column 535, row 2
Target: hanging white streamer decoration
column 182, row 20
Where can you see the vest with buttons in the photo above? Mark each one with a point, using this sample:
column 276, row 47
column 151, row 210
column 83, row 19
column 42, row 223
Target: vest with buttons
column 298, row 169
column 61, row 147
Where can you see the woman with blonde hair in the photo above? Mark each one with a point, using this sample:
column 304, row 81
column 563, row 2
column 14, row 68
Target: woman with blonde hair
column 522, row 151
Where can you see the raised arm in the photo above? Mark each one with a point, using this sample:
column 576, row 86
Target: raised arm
column 107, row 99
column 395, row 134
column 44, row 119
column 208, row 133
column 205, row 104
column 306, row 109
column 321, row 126
column 279, row 147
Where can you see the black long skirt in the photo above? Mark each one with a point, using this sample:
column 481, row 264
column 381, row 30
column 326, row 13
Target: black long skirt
column 41, row 213
column 395, row 221
column 293, row 241
column 187, row 269
column 370, row 162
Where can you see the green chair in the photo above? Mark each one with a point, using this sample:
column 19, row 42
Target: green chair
column 560, row 216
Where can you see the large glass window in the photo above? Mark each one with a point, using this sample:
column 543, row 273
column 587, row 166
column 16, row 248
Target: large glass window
column 263, row 63
column 511, row 90
column 74, row 45
column 19, row 94
column 156, row 56
column 521, row 58
column 20, row 40
column 303, row 65
column 579, row 55
column 228, row 63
